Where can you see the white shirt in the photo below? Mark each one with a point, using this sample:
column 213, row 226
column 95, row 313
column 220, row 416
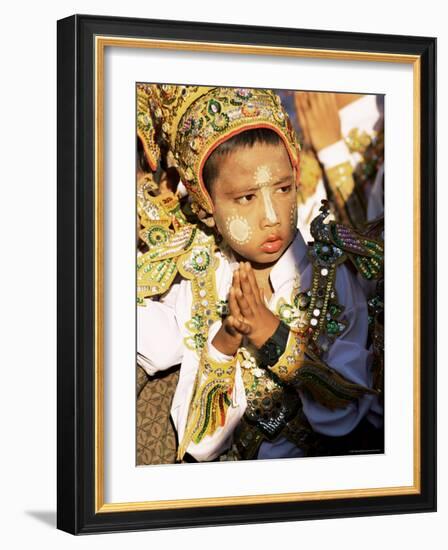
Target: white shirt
column 162, row 329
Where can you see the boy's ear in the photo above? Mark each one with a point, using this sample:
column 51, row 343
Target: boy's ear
column 206, row 218
column 209, row 221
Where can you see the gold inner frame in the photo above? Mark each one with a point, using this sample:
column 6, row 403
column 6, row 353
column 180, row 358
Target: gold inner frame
column 101, row 42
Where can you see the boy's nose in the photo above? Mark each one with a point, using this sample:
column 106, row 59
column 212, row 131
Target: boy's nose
column 270, row 215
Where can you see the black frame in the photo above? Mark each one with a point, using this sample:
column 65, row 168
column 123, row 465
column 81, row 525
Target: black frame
column 75, row 475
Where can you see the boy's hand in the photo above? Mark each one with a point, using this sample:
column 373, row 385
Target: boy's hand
column 230, row 336
column 259, row 322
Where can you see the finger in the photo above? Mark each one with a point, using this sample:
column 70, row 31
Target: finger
column 332, row 101
column 305, row 100
column 236, row 280
column 232, row 325
column 233, row 304
column 238, row 325
column 243, row 304
column 243, row 326
column 263, row 297
column 237, row 287
column 246, row 287
column 311, row 111
column 312, row 100
column 253, row 283
column 327, row 103
column 302, row 118
column 299, row 101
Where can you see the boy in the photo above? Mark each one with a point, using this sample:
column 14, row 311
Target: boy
column 271, row 336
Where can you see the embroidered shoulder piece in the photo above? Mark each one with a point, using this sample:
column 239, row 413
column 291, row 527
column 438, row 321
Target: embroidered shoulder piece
column 300, row 367
column 210, row 400
column 170, row 240
column 366, row 254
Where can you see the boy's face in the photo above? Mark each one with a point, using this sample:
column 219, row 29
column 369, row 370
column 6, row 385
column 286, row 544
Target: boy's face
column 255, row 200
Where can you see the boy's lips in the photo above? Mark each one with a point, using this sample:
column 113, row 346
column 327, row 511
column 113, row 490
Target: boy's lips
column 272, row 244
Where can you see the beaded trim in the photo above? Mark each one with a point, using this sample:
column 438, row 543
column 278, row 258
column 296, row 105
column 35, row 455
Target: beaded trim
column 291, row 360
column 145, row 127
column 270, row 404
column 199, row 266
column 157, row 268
column 210, row 400
column 366, row 253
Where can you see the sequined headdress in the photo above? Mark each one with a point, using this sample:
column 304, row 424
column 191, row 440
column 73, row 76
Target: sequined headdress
column 192, row 121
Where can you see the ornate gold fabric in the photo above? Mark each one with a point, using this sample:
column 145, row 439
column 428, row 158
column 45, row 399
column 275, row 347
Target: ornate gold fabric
column 210, row 400
column 145, row 127
column 193, row 120
column 365, row 252
column 173, row 245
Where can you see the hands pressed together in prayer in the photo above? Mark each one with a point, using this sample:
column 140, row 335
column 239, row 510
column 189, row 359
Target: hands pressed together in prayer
column 248, row 314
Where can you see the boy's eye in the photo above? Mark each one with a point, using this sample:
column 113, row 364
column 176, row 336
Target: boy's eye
column 245, row 199
column 284, row 189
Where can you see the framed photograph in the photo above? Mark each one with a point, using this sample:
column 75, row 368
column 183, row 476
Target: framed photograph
column 246, row 274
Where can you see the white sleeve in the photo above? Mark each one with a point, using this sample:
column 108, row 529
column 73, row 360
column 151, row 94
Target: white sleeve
column 159, row 338
column 334, row 154
column 349, row 356
column 211, row 446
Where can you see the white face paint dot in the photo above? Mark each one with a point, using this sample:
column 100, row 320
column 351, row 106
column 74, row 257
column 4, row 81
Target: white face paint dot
column 239, row 230
column 263, row 175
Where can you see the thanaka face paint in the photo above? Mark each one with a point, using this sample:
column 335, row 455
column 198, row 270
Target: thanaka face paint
column 293, row 216
column 263, row 179
column 254, row 197
column 239, row 229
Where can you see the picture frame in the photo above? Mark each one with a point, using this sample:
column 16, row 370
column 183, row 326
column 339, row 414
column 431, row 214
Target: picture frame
column 82, row 239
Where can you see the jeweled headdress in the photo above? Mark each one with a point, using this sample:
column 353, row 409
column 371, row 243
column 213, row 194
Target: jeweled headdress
column 192, row 121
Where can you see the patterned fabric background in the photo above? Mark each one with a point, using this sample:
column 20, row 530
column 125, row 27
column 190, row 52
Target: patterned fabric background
column 156, row 439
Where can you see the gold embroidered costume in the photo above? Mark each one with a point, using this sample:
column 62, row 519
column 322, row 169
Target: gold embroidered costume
column 190, row 122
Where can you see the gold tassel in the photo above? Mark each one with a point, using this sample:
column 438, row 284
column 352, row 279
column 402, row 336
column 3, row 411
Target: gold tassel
column 210, row 400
